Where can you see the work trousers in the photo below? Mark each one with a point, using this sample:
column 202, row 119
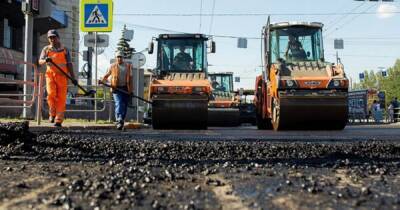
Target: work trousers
column 56, row 87
column 121, row 104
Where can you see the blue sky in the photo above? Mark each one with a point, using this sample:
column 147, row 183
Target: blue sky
column 370, row 40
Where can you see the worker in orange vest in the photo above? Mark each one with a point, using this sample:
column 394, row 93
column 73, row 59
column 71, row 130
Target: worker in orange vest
column 121, row 79
column 56, row 82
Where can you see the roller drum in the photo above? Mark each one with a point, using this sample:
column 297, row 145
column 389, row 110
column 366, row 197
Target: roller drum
column 179, row 112
column 312, row 112
column 223, row 117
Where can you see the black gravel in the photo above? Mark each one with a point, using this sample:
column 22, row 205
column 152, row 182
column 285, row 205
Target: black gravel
column 132, row 172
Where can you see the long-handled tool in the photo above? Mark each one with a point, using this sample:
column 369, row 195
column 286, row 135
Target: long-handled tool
column 123, row 91
column 87, row 92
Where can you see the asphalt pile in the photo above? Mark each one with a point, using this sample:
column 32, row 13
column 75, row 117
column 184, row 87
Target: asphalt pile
column 15, row 138
column 132, row 171
column 62, row 145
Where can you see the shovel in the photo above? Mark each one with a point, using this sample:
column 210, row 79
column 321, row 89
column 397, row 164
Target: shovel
column 123, row 91
column 87, row 92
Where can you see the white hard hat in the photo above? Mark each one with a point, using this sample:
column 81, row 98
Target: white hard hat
column 119, row 53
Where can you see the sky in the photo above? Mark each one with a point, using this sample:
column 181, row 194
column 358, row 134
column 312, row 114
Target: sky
column 371, row 40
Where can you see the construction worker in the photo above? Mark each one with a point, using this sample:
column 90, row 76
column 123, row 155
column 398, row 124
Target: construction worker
column 182, row 60
column 296, row 49
column 121, row 79
column 56, row 82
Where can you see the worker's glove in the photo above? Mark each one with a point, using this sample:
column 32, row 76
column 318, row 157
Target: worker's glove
column 48, row 59
column 75, row 82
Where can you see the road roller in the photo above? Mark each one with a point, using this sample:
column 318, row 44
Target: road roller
column 298, row 89
column 180, row 91
column 223, row 108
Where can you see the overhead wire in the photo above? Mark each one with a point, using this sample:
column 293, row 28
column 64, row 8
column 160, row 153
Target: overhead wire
column 342, row 17
column 251, row 37
column 212, row 17
column 201, row 10
column 347, row 22
column 325, row 19
column 251, row 14
column 364, row 56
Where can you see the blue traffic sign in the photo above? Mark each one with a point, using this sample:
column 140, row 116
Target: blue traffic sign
column 96, row 15
column 361, row 76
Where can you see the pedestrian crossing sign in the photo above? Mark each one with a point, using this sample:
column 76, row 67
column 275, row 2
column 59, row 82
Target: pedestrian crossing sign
column 96, row 15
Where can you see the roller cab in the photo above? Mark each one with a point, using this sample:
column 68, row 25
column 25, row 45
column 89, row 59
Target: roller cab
column 223, row 108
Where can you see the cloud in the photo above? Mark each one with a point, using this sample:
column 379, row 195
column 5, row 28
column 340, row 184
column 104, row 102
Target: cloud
column 386, row 10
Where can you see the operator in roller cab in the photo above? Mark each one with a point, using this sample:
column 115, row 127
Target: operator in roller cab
column 183, row 60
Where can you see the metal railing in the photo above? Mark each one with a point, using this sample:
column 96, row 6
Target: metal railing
column 369, row 118
column 13, row 100
column 43, row 100
column 396, row 114
column 34, row 84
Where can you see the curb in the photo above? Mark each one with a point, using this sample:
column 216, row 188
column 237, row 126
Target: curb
column 50, row 127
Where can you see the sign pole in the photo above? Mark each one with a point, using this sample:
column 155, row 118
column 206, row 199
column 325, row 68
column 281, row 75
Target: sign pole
column 137, row 90
column 337, row 57
column 95, row 77
column 96, row 16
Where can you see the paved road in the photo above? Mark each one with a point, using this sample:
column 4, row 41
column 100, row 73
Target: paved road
column 219, row 168
column 353, row 132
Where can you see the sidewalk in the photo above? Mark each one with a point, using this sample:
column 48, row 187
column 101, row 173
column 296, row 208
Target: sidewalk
column 46, row 126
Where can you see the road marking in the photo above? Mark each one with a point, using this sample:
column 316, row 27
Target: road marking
column 226, row 198
column 6, row 205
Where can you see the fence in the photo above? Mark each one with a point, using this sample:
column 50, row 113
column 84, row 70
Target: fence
column 396, row 114
column 13, row 100
column 84, row 102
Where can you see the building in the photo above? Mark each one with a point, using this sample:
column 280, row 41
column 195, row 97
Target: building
column 11, row 43
column 69, row 34
column 51, row 14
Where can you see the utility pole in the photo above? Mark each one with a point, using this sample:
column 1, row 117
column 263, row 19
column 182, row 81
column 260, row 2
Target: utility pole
column 26, row 9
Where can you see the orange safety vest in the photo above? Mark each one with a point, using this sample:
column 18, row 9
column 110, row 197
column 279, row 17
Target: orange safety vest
column 115, row 76
column 59, row 58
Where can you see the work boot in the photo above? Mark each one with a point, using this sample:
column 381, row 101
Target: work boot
column 120, row 126
column 57, row 124
column 51, row 119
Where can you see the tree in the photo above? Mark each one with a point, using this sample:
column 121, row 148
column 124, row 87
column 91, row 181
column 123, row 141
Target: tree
column 124, row 46
column 389, row 84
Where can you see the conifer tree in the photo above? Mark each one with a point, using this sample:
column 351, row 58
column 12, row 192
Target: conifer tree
column 124, row 46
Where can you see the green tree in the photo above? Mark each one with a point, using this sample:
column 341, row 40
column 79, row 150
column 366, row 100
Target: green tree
column 390, row 84
column 124, row 46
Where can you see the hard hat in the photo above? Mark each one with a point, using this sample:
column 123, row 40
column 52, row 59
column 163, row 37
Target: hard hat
column 119, row 54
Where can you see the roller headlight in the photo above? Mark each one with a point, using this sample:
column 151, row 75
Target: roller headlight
column 162, row 89
column 336, row 83
column 289, row 83
column 197, row 89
